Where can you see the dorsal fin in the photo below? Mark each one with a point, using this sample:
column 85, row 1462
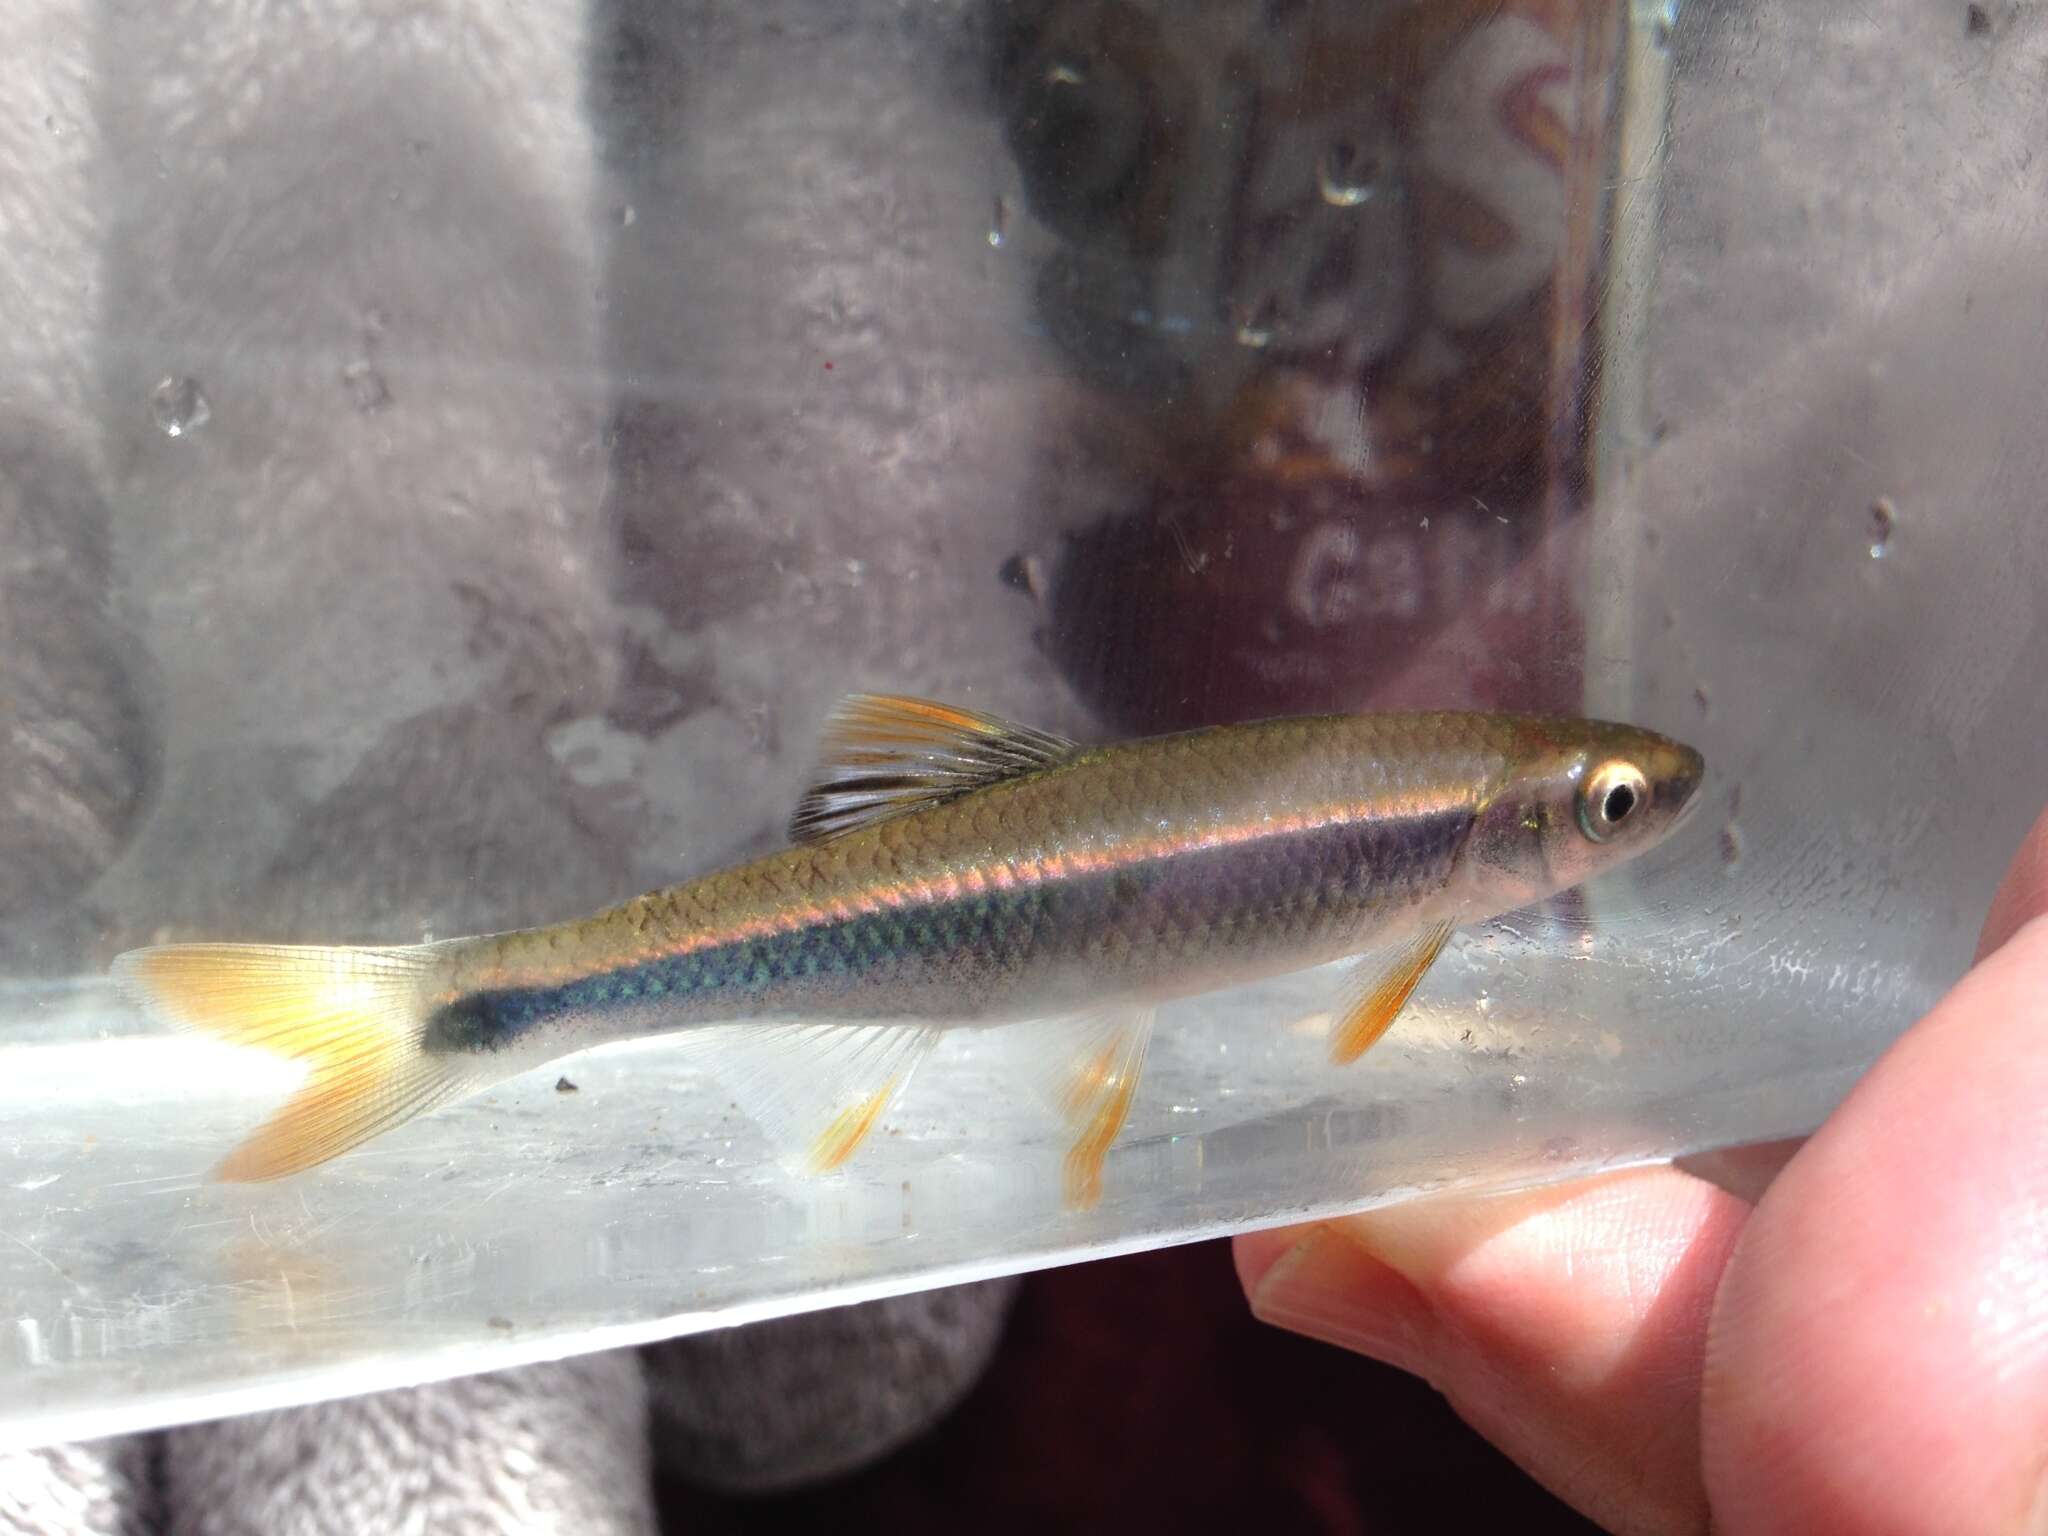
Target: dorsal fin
column 884, row 755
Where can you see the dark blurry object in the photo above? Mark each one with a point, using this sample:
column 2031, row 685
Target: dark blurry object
column 1098, row 113
column 1356, row 345
column 787, row 1402
column 1139, row 1394
column 559, row 1446
column 1263, row 598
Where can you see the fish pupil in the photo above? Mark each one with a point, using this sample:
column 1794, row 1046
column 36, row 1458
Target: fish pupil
column 1620, row 801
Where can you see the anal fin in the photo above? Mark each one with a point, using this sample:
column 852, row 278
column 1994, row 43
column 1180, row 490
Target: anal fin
column 1089, row 1070
column 1380, row 983
column 817, row 1089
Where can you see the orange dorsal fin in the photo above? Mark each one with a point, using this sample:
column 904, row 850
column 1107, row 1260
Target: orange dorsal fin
column 885, row 755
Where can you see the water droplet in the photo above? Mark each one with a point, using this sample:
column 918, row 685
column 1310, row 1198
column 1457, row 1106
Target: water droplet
column 1346, row 175
column 1731, row 844
column 1026, row 573
column 179, row 406
column 1255, row 325
column 628, row 216
column 998, row 224
column 366, row 387
column 1884, row 522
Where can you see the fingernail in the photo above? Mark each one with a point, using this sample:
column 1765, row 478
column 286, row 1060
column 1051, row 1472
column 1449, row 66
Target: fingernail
column 1327, row 1287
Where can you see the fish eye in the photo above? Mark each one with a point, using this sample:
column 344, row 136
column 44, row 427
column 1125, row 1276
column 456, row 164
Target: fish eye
column 1609, row 796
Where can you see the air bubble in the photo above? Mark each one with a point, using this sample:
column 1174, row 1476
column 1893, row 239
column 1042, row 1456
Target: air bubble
column 1346, row 176
column 366, row 387
column 1026, row 573
column 1255, row 325
column 179, row 406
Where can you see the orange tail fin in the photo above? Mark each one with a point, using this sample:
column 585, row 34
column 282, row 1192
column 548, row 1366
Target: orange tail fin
column 356, row 1017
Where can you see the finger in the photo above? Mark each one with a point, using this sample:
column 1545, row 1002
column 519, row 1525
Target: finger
column 1511, row 1306
column 2022, row 894
column 1879, row 1352
column 1566, row 1324
column 1745, row 1171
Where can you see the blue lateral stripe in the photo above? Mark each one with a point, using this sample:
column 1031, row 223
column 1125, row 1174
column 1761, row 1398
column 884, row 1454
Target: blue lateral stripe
column 493, row 1020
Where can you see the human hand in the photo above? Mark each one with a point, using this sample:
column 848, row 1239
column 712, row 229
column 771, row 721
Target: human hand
column 1864, row 1349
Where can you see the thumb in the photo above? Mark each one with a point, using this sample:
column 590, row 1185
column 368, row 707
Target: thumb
column 1879, row 1350
column 2023, row 892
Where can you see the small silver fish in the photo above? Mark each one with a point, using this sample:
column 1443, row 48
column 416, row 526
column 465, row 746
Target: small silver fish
column 950, row 868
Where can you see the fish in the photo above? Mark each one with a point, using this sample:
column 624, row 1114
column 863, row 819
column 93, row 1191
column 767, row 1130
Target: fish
column 948, row 868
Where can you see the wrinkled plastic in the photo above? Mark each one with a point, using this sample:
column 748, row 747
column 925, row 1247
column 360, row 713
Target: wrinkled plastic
column 445, row 486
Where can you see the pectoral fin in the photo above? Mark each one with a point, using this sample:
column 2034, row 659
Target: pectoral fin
column 1380, row 983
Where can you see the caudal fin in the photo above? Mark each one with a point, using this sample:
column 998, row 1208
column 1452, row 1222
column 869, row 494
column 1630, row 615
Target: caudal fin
column 356, row 1017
